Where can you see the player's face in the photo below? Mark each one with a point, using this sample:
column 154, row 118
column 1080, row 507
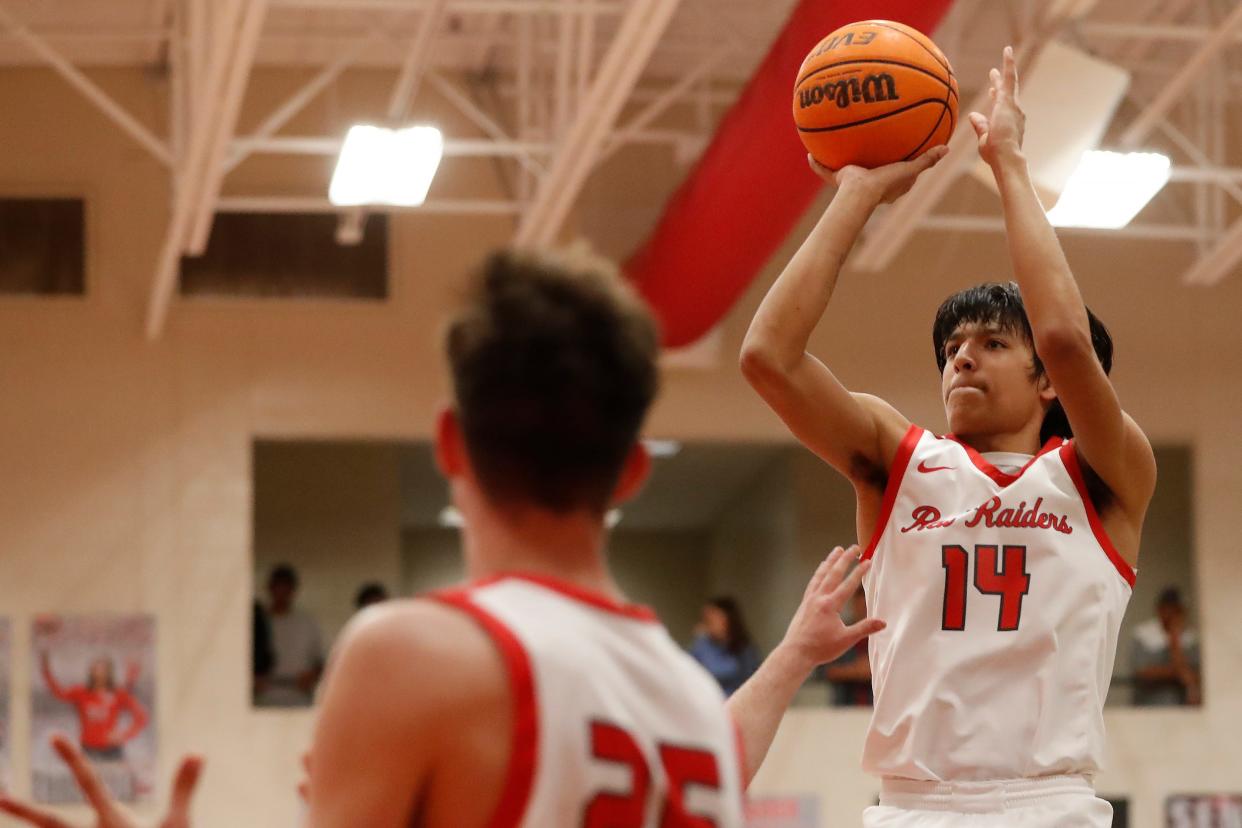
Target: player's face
column 989, row 384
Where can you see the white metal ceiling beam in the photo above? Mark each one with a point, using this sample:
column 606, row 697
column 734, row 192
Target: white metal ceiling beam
column 996, row 224
column 320, row 204
column 640, row 31
column 1222, row 260
column 178, row 91
column 1199, row 157
column 586, row 49
column 101, row 99
column 1163, row 12
column 225, row 126
column 463, row 6
column 291, row 106
column 453, row 147
column 1153, row 31
column 481, row 119
column 484, row 148
column 218, row 29
column 1175, row 89
column 661, row 104
column 417, row 59
column 562, row 80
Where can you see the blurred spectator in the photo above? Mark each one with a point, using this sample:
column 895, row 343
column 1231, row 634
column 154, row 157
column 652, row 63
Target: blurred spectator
column 296, row 646
column 851, row 673
column 722, row 644
column 1166, row 656
column 262, row 657
column 370, row 593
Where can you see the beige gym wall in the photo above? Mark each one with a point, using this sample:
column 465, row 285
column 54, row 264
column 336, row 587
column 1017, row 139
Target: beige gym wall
column 127, row 482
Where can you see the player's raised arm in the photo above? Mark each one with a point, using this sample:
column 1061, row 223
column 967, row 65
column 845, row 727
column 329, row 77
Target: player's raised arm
column 855, row 433
column 816, row 635
column 1110, row 442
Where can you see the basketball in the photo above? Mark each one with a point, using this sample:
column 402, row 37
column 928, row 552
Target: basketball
column 872, row 93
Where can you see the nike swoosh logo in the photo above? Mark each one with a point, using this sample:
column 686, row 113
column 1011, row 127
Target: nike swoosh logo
column 924, row 468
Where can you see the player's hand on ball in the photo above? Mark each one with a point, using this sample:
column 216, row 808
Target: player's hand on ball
column 1000, row 131
column 817, row 635
column 885, row 184
column 108, row 813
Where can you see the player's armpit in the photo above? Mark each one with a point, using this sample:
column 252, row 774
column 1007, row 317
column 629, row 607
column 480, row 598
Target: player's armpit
column 402, row 684
column 857, row 434
column 1108, row 439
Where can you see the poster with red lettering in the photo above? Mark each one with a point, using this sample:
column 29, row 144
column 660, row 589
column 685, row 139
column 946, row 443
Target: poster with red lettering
column 93, row 679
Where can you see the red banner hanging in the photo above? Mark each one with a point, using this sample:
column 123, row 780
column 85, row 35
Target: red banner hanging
column 752, row 184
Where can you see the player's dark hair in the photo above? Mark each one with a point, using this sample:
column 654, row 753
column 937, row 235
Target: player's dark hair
column 1000, row 304
column 737, row 638
column 553, row 364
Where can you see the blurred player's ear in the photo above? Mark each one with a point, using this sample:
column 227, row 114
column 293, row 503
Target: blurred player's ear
column 450, row 448
column 634, row 473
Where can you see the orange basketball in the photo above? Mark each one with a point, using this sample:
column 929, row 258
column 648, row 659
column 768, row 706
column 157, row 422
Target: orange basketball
column 872, row 93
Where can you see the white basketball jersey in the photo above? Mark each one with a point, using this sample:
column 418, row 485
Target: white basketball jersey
column 614, row 724
column 1003, row 598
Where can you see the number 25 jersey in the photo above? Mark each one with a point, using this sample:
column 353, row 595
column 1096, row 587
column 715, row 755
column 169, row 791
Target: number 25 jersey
column 614, row 725
column 1003, row 597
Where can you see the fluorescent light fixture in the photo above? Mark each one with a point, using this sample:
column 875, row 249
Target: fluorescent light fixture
column 662, row 448
column 612, row 517
column 386, row 166
column 1108, row 189
column 451, row 518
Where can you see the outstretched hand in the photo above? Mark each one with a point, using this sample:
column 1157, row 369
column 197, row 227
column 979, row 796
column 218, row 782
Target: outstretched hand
column 887, row 183
column 108, row 813
column 1000, row 131
column 817, row 635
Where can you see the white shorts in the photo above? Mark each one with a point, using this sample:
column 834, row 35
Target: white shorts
column 1046, row 802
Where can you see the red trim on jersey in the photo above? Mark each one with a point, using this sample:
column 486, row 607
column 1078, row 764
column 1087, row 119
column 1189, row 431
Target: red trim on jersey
column 897, row 471
column 577, row 593
column 1002, row 478
column 1069, row 456
column 524, row 745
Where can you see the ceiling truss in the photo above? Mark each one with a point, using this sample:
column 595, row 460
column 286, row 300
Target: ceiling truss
column 574, row 81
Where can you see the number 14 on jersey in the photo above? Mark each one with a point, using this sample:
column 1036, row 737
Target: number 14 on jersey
column 998, row 570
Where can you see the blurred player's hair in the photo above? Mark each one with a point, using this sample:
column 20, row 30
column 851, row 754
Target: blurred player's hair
column 553, row 363
column 1000, row 304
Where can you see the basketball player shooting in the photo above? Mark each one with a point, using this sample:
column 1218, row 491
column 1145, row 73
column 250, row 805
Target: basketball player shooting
column 1002, row 554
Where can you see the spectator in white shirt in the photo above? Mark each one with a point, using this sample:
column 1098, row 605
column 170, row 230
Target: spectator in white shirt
column 297, row 646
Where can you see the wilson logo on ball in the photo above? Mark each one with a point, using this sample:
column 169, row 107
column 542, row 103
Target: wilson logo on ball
column 872, row 93
column 848, row 91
